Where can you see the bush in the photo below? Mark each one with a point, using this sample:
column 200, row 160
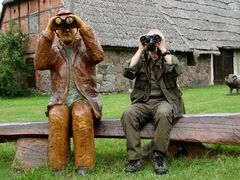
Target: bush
column 12, row 61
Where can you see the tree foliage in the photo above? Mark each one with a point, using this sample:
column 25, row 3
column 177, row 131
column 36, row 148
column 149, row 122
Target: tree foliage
column 12, row 61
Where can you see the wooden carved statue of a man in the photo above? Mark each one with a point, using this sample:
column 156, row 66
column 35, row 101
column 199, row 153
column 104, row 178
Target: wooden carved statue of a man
column 69, row 48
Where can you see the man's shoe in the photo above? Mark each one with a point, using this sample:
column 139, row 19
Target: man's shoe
column 82, row 171
column 134, row 166
column 160, row 166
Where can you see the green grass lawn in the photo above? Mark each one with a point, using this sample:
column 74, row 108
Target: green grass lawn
column 111, row 153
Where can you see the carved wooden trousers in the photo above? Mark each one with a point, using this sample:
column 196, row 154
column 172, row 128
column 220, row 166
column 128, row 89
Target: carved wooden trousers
column 83, row 135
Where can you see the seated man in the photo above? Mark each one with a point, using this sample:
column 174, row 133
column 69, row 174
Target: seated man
column 155, row 97
column 71, row 59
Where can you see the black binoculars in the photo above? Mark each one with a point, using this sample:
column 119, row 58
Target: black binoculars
column 67, row 23
column 150, row 40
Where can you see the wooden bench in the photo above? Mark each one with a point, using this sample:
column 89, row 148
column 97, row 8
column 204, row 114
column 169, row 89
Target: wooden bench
column 189, row 132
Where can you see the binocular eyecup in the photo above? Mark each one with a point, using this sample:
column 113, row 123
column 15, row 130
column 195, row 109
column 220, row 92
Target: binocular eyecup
column 67, row 23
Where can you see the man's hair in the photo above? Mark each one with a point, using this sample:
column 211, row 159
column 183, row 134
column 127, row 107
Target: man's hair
column 154, row 31
column 64, row 12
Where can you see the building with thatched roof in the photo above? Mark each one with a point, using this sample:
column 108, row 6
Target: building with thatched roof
column 203, row 35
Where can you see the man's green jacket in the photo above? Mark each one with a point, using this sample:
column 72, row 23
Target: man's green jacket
column 166, row 80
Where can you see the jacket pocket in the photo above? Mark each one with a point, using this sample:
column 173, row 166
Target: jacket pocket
column 174, row 93
column 141, row 81
column 169, row 82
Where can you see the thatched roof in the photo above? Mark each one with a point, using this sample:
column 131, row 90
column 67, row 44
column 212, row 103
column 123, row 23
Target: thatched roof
column 187, row 24
column 202, row 25
column 205, row 24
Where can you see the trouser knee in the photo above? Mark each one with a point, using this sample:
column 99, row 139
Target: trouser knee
column 129, row 118
column 82, row 114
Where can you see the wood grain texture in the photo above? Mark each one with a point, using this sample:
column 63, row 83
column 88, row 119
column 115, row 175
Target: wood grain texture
column 207, row 128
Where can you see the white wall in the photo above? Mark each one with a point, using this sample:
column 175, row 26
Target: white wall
column 236, row 62
column 1, row 5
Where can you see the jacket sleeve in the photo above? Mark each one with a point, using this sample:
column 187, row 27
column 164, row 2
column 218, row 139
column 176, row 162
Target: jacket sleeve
column 128, row 72
column 44, row 55
column 175, row 68
column 93, row 47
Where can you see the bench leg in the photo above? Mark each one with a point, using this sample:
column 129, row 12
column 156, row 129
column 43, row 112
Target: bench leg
column 191, row 149
column 195, row 149
column 30, row 153
column 178, row 148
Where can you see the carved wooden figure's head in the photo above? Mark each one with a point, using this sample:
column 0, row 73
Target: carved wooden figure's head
column 66, row 32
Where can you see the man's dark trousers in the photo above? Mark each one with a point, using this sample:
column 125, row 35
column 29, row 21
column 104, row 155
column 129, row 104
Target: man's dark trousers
column 157, row 110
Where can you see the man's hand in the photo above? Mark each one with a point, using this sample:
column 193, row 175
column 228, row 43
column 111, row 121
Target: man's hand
column 162, row 44
column 141, row 49
column 51, row 24
column 81, row 24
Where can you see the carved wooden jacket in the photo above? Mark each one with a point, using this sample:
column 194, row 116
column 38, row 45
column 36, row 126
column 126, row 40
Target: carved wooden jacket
column 87, row 52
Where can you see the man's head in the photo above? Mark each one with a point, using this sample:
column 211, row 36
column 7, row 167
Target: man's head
column 154, row 31
column 155, row 36
column 151, row 39
column 66, row 33
column 153, row 50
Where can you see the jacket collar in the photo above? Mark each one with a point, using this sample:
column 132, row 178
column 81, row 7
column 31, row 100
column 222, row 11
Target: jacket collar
column 157, row 62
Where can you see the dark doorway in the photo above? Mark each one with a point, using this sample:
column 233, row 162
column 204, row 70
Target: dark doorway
column 30, row 73
column 222, row 65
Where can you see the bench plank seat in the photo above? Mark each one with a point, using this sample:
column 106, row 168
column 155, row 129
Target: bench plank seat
column 187, row 135
column 203, row 128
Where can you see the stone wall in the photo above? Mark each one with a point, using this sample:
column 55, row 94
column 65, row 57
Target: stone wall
column 110, row 78
column 109, row 72
column 198, row 75
column 43, row 81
